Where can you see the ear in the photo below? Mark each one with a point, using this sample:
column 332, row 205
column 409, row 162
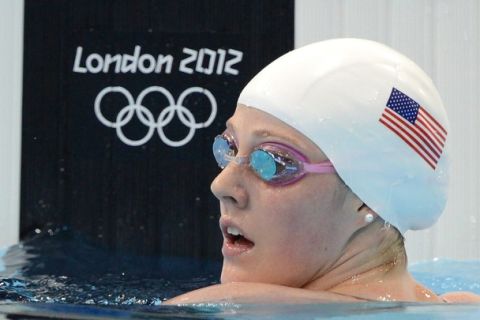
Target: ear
column 363, row 209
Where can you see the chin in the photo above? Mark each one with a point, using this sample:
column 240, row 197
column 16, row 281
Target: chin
column 235, row 274
column 228, row 276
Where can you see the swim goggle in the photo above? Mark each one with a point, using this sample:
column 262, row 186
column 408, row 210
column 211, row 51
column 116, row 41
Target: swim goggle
column 273, row 162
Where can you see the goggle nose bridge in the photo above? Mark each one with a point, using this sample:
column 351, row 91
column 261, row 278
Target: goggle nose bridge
column 240, row 160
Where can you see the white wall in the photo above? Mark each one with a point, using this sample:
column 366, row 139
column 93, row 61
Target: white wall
column 11, row 56
column 443, row 37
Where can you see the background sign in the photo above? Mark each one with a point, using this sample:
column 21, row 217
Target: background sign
column 121, row 102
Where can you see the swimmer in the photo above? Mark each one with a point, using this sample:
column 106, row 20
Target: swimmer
column 334, row 151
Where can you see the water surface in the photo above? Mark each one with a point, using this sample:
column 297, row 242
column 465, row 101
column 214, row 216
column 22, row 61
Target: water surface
column 58, row 274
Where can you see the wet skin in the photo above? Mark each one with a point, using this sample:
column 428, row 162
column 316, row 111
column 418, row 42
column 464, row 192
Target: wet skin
column 297, row 234
column 298, row 229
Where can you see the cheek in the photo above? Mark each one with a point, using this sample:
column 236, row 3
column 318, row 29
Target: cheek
column 304, row 231
column 300, row 223
column 297, row 227
column 296, row 243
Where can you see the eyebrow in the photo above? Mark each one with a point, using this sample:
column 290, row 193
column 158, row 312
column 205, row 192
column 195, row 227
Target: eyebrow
column 268, row 133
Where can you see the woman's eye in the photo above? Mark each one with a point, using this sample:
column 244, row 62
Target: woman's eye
column 282, row 162
column 224, row 149
column 232, row 147
column 282, row 159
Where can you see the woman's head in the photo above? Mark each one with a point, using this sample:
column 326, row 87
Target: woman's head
column 297, row 231
column 327, row 101
column 374, row 113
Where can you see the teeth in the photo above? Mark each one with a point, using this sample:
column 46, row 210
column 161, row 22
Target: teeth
column 234, row 231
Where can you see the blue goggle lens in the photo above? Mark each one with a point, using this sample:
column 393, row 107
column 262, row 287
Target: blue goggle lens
column 270, row 163
column 263, row 164
column 222, row 148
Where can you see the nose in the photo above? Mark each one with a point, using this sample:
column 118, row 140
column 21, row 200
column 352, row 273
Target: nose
column 229, row 187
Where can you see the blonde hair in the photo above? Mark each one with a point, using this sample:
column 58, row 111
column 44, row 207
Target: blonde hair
column 390, row 249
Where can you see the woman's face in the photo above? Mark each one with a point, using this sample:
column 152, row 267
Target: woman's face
column 295, row 232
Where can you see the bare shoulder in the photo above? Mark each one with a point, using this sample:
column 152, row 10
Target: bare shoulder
column 246, row 292
column 461, row 297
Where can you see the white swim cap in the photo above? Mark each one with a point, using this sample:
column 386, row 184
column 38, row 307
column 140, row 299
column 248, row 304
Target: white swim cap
column 374, row 113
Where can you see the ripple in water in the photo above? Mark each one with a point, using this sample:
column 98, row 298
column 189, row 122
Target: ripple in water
column 59, row 266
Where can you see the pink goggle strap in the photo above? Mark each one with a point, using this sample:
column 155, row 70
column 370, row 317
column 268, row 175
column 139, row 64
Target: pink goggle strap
column 322, row 167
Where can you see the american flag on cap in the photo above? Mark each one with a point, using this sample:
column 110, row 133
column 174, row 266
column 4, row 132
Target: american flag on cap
column 415, row 126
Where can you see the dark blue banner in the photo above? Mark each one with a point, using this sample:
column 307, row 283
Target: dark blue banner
column 121, row 102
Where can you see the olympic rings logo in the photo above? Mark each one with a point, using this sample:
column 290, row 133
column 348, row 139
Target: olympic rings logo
column 146, row 117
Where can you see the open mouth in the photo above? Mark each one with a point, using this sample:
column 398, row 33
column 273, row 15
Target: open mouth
column 235, row 237
column 235, row 242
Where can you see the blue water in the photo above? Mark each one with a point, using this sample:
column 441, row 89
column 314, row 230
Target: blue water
column 59, row 274
column 60, row 266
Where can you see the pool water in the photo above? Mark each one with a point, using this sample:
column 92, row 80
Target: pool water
column 60, row 266
column 58, row 274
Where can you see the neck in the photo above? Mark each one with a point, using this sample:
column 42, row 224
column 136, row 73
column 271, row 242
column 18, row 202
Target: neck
column 369, row 269
column 364, row 260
